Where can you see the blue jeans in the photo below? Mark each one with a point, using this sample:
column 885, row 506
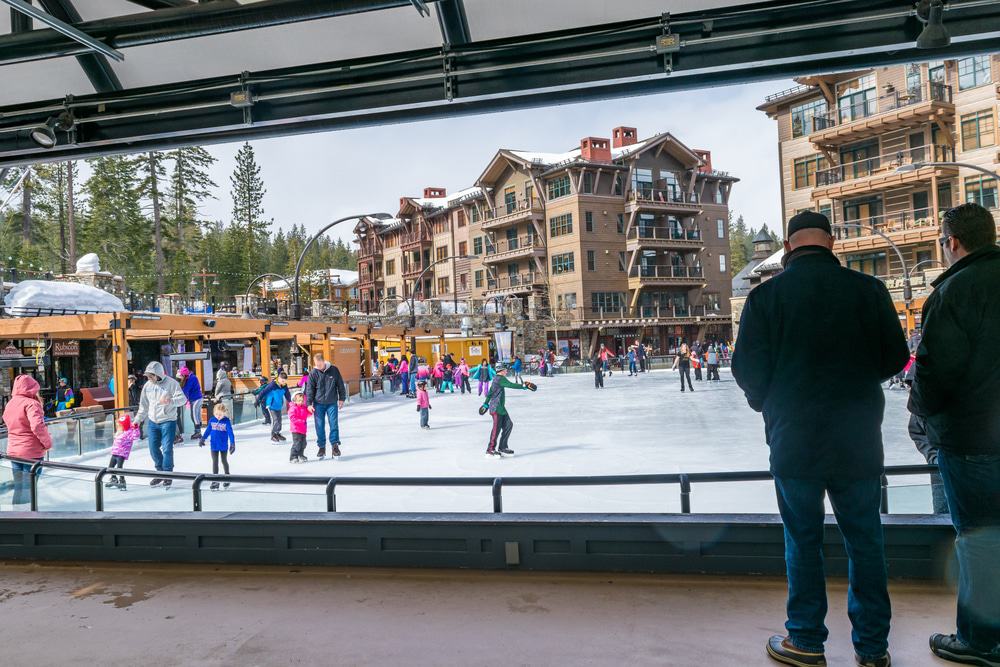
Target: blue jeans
column 856, row 506
column 161, row 444
column 21, row 473
column 326, row 412
column 972, row 485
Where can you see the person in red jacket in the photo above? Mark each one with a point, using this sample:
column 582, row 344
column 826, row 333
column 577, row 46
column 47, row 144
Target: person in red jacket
column 27, row 436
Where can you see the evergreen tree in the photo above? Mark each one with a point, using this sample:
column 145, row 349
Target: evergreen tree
column 248, row 211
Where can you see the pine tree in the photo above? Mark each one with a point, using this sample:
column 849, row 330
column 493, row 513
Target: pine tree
column 248, row 211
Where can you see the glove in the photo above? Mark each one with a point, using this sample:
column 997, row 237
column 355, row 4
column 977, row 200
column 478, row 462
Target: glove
column 201, row 443
column 483, row 409
column 530, row 386
column 232, row 449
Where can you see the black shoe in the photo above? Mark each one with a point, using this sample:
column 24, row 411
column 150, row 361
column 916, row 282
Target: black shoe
column 111, row 482
column 953, row 649
column 784, row 651
column 167, row 483
column 156, row 481
column 321, row 453
column 214, row 486
column 882, row 661
column 336, row 448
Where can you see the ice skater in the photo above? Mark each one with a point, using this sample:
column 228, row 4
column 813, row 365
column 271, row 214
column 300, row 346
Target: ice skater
column 496, row 405
column 126, row 433
column 485, row 374
column 222, row 441
column 298, row 417
column 423, row 404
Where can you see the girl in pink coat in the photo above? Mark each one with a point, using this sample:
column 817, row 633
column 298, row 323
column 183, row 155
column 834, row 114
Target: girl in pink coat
column 27, row 436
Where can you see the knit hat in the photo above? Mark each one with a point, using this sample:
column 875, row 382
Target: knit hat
column 808, row 220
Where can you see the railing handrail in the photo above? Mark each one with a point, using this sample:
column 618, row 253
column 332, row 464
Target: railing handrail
column 330, row 483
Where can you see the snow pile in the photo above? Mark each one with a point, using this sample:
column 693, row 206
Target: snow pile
column 46, row 297
column 89, row 263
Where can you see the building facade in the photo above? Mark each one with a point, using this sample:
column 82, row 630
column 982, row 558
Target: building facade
column 860, row 147
column 616, row 239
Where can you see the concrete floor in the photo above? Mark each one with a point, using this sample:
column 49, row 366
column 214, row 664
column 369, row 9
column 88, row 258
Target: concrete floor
column 161, row 615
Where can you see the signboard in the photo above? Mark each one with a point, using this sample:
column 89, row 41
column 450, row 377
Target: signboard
column 10, row 352
column 66, row 348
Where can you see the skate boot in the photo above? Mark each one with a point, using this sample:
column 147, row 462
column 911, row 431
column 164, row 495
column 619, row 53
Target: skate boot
column 321, row 453
column 214, row 486
column 111, row 482
column 336, row 449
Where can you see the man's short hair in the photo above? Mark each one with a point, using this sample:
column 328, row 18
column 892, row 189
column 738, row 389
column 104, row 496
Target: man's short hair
column 972, row 225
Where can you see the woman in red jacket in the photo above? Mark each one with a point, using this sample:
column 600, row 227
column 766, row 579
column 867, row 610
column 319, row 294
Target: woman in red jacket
column 27, row 436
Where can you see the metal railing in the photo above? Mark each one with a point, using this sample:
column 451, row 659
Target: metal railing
column 664, row 272
column 884, row 163
column 496, row 484
column 659, row 196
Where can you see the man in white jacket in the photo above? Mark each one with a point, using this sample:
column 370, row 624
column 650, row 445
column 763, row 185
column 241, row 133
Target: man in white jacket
column 158, row 403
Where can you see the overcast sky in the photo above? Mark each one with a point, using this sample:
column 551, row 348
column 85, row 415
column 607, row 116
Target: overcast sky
column 315, row 178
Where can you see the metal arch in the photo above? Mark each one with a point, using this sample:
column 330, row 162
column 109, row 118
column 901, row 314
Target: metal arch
column 453, row 22
column 94, row 65
column 64, row 28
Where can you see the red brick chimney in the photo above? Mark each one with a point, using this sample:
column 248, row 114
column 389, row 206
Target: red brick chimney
column 434, row 193
column 595, row 149
column 706, row 159
column 624, row 136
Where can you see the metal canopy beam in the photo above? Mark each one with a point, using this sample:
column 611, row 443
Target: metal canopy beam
column 453, row 21
column 94, row 65
column 611, row 61
column 185, row 22
column 63, row 28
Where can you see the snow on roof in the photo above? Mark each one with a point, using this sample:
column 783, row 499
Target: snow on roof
column 337, row 277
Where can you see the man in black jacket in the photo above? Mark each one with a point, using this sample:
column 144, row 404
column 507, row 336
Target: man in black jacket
column 325, row 395
column 815, row 344
column 956, row 392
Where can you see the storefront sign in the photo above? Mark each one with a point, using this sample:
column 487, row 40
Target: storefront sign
column 10, row 352
column 66, row 348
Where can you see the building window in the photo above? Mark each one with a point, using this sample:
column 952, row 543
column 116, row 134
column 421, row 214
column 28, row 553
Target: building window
column 588, row 183
column 443, row 285
column 720, row 228
column 561, row 224
column 606, row 301
column 390, row 267
column 559, row 187
column 973, row 72
column 722, row 263
column 803, row 114
column 978, row 130
column 805, row 170
column 478, row 278
column 981, row 190
column 460, row 218
column 591, row 261
column 440, row 253
column 622, row 260
column 463, row 248
column 477, row 245
column 563, row 263
column 621, row 223
column 588, row 220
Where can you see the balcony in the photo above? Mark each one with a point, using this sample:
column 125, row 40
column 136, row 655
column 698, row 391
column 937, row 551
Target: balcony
column 658, row 275
column 663, row 237
column 669, row 200
column 517, row 283
column 514, row 213
column 879, row 172
column 893, row 111
column 511, row 249
column 903, row 228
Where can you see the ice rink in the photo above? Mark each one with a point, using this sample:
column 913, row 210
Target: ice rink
column 638, row 424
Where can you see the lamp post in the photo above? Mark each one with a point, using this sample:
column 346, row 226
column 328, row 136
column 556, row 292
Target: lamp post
column 296, row 303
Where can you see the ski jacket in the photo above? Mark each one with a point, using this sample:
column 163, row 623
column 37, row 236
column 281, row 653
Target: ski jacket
column 123, row 442
column 160, row 398
column 326, row 387
column 27, row 435
column 220, row 434
column 298, row 416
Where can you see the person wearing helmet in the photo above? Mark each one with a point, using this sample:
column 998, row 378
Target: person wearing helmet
column 159, row 401
column 496, row 405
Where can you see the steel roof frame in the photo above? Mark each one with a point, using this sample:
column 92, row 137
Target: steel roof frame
column 759, row 42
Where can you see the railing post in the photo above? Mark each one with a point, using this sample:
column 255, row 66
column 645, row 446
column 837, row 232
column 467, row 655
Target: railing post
column 196, row 492
column 34, row 485
column 497, row 495
column 99, row 490
column 884, row 505
column 685, row 495
column 331, row 495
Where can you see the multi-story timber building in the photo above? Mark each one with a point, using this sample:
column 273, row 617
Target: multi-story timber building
column 613, row 240
column 843, row 138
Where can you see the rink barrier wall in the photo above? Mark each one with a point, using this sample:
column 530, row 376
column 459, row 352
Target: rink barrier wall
column 496, row 484
column 917, row 547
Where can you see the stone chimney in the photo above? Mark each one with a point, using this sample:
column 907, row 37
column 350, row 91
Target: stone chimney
column 595, row 149
column 434, row 193
column 624, row 136
column 706, row 160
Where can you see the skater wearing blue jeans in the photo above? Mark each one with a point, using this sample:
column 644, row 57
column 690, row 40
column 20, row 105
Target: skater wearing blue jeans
column 158, row 403
column 325, row 395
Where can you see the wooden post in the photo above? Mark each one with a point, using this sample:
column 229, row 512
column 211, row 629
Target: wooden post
column 265, row 355
column 119, row 362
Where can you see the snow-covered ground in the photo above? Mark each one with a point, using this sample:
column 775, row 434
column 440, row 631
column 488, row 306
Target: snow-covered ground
column 634, row 425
